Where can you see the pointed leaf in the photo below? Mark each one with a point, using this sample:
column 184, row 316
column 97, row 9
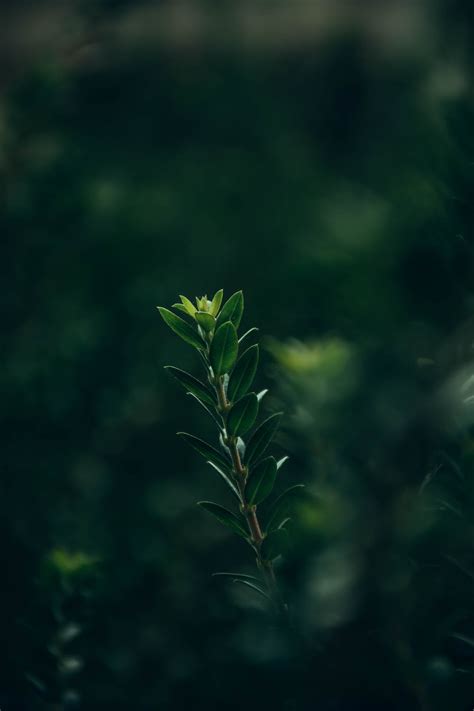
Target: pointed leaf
column 247, row 333
column 192, row 385
column 243, row 374
column 205, row 320
column 210, row 411
column 226, row 478
column 251, row 585
column 261, row 394
column 181, row 328
column 180, row 307
column 216, row 302
column 281, row 462
column 225, row 516
column 224, row 349
column 243, row 576
column 188, row 305
column 275, row 544
column 232, row 310
column 242, row 415
column 261, row 438
column 281, row 506
column 205, row 450
column 261, row 481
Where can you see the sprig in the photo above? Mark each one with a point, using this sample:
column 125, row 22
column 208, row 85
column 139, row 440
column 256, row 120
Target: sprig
column 246, row 468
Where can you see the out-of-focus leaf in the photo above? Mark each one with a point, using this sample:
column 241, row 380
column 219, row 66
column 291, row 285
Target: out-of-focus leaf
column 181, row 328
column 225, row 517
column 224, row 348
column 253, row 586
column 242, row 415
column 275, row 544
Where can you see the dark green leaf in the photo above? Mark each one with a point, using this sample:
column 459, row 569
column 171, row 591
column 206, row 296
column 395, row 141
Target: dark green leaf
column 216, row 302
column 247, row 333
column 242, row 415
column 205, row 450
column 210, row 410
column 224, row 348
column 275, row 544
column 205, row 320
column 227, row 479
column 261, row 438
column 225, row 516
column 251, row 585
column 243, row 374
column 242, row 576
column 281, row 506
column 232, row 310
column 261, row 481
column 192, row 385
column 181, row 328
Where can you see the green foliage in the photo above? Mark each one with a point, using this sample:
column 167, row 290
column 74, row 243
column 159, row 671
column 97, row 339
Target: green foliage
column 235, row 412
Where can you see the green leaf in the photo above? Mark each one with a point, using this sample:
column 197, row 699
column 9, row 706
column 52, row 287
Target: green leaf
column 243, row 374
column 188, row 305
column 261, row 481
column 261, row 394
column 206, row 451
column 232, row 310
column 242, row 415
column 262, row 437
column 215, row 415
column 281, row 506
column 180, row 307
column 225, row 516
column 192, row 385
column 252, row 585
column 247, row 333
column 227, row 480
column 181, row 328
column 242, row 576
column 205, row 320
column 275, row 544
column 216, row 302
column 281, row 462
column 224, row 349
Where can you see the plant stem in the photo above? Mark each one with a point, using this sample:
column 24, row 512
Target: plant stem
column 250, row 511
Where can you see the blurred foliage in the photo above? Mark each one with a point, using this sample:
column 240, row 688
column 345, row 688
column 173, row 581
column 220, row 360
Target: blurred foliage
column 320, row 158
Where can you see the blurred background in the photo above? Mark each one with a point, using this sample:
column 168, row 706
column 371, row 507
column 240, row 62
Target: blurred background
column 317, row 154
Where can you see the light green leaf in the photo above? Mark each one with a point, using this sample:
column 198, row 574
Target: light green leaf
column 224, row 349
column 232, row 310
column 205, row 320
column 261, row 481
column 242, row 415
column 226, row 517
column 188, row 305
column 216, row 302
column 281, row 462
column 192, row 385
column 262, row 437
column 180, row 307
column 261, row 395
column 181, row 328
column 206, row 451
column 243, row 374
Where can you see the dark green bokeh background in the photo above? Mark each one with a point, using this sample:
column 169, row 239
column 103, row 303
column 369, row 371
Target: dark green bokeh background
column 320, row 157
